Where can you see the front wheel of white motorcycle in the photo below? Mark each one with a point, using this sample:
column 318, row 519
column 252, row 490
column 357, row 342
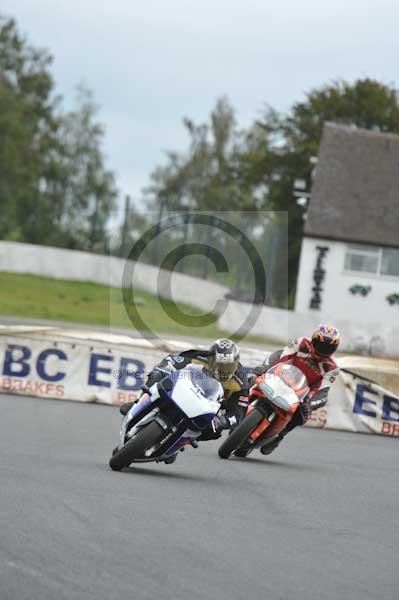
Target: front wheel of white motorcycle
column 147, row 436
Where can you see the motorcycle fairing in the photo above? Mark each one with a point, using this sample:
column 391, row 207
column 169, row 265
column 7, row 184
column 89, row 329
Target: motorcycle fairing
column 281, row 394
column 189, row 388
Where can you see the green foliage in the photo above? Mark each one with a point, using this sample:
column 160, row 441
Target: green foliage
column 54, row 188
column 83, row 190
column 205, row 177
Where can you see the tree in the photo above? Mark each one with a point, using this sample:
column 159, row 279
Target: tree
column 82, row 189
column 54, row 187
column 216, row 173
column 27, row 129
column 135, row 224
column 204, row 177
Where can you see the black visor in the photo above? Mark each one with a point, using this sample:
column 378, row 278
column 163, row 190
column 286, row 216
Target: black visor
column 324, row 348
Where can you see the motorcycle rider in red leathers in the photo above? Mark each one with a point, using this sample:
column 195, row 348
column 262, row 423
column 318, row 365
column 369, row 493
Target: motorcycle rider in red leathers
column 313, row 356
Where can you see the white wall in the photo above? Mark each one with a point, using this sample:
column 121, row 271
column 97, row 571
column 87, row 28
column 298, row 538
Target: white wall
column 336, row 297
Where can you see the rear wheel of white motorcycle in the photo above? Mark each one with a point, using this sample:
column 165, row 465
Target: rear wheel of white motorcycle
column 146, row 437
column 240, row 433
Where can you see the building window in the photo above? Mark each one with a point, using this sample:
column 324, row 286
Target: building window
column 390, row 262
column 362, row 258
column 376, row 261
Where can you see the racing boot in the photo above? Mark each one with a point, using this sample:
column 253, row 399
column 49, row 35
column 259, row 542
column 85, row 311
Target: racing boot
column 124, row 409
column 271, row 445
column 170, row 459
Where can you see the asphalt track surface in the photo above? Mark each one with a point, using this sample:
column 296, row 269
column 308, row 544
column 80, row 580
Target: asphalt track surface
column 317, row 519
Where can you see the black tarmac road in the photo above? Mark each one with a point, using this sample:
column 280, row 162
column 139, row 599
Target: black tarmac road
column 317, row 519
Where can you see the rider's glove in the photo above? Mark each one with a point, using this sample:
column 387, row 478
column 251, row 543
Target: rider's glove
column 259, row 370
column 306, row 409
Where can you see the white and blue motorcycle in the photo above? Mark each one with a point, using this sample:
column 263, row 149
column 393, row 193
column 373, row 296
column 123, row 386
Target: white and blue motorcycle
column 172, row 415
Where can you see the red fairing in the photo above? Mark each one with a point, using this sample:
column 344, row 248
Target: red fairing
column 320, row 372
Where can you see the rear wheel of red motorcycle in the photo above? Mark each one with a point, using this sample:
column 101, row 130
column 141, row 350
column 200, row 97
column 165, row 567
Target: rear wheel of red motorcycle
column 241, row 433
column 145, row 438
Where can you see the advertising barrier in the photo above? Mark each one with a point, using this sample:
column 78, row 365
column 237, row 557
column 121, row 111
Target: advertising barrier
column 87, row 366
column 84, row 366
column 78, row 366
column 357, row 404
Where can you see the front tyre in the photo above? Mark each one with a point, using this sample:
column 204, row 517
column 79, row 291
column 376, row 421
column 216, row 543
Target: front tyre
column 243, row 451
column 147, row 436
column 240, row 433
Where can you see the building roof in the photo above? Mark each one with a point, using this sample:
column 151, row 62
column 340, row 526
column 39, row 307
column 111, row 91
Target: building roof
column 355, row 193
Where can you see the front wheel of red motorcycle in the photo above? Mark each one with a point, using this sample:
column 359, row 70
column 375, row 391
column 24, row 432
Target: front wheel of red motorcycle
column 241, row 433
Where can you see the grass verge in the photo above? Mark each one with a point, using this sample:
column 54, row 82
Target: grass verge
column 36, row 297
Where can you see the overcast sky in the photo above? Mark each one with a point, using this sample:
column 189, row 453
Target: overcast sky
column 152, row 62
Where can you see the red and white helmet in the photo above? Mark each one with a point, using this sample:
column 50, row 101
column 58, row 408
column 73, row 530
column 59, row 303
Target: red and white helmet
column 325, row 340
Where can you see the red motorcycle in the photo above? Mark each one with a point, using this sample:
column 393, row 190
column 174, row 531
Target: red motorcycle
column 273, row 400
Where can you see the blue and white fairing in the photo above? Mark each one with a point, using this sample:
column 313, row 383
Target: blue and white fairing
column 196, row 392
column 192, row 389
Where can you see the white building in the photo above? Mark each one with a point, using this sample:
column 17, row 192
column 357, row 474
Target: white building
column 349, row 264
